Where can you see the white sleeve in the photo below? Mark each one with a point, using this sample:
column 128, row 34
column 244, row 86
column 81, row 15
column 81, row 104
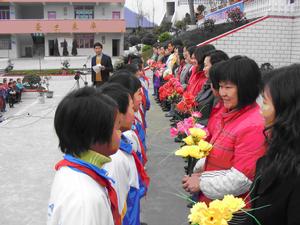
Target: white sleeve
column 216, row 184
column 198, row 168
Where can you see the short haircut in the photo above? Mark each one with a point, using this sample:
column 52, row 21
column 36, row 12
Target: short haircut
column 117, row 92
column 200, row 54
column 127, row 80
column 241, row 71
column 138, row 63
column 133, row 68
column 98, row 44
column 216, row 56
column 83, row 118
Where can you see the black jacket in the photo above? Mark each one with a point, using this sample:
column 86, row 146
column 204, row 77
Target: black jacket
column 283, row 196
column 106, row 62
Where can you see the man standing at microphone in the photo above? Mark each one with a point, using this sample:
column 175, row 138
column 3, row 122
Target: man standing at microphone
column 101, row 66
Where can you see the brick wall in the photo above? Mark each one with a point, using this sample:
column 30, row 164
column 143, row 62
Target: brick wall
column 275, row 40
column 295, row 55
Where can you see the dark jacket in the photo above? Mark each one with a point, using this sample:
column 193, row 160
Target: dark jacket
column 206, row 101
column 105, row 61
column 283, row 196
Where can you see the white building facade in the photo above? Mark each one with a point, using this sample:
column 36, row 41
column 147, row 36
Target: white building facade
column 29, row 28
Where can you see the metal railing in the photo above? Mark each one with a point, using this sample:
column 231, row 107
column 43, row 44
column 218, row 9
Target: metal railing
column 258, row 8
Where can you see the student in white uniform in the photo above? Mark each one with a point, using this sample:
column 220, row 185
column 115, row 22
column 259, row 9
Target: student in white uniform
column 87, row 126
column 122, row 168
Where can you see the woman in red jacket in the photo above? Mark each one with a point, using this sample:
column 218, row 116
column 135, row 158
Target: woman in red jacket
column 237, row 136
column 198, row 78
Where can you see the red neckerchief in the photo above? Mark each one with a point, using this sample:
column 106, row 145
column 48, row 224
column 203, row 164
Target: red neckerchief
column 140, row 168
column 143, row 122
column 101, row 181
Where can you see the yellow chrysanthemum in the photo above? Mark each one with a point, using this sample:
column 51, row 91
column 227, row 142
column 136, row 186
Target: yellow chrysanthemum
column 189, row 140
column 212, row 216
column 183, row 152
column 234, row 204
column 220, row 205
column 204, row 146
column 195, row 152
column 197, row 133
column 195, row 213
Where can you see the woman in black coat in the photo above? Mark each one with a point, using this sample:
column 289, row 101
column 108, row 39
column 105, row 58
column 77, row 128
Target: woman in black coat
column 275, row 192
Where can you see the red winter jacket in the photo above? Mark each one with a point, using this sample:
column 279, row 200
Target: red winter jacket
column 197, row 80
column 238, row 142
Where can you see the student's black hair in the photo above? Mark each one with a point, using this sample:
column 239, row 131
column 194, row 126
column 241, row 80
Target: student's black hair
column 241, row 71
column 138, row 62
column 283, row 156
column 127, row 80
column 98, row 44
column 133, row 68
column 117, row 92
column 83, row 118
column 200, row 54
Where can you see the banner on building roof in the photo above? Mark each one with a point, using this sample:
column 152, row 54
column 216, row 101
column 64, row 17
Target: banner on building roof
column 221, row 16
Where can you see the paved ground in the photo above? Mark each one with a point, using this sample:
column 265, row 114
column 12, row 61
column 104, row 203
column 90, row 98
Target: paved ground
column 48, row 62
column 28, row 152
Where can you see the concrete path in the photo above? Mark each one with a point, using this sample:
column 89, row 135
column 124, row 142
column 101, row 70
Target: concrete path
column 28, row 153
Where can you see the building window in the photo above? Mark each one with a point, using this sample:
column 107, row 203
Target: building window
column 115, row 47
column 65, row 11
column 292, row 1
column 84, row 12
column 170, row 8
column 116, row 15
column 5, row 43
column 85, row 40
column 4, row 13
column 51, row 15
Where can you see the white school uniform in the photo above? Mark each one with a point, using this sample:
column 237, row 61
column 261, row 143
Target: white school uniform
column 77, row 199
column 123, row 170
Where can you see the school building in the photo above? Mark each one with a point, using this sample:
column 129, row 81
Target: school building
column 29, row 28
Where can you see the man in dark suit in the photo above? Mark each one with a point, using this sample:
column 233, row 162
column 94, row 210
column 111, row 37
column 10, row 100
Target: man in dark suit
column 100, row 73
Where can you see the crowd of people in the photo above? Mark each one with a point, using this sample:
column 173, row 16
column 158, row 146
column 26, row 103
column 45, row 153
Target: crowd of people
column 10, row 93
column 251, row 120
column 102, row 132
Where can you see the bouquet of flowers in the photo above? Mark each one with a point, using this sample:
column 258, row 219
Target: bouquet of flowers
column 172, row 90
column 195, row 147
column 182, row 128
column 187, row 104
column 217, row 212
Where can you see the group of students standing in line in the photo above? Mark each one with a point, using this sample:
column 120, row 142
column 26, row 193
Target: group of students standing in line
column 102, row 133
column 253, row 123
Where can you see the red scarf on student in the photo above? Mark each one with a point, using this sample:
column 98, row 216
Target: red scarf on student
column 101, row 181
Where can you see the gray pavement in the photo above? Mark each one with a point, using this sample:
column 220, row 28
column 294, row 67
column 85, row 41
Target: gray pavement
column 28, row 153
